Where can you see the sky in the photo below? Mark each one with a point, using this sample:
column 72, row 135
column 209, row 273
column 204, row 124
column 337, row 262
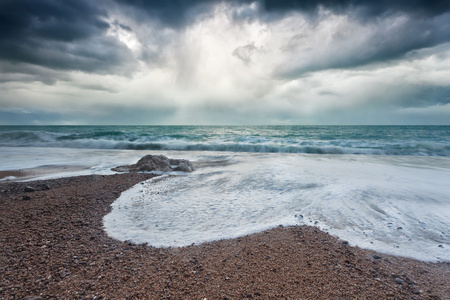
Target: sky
column 198, row 62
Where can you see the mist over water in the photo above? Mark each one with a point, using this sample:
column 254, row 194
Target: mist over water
column 379, row 187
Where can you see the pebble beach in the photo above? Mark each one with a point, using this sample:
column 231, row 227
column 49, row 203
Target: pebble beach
column 53, row 246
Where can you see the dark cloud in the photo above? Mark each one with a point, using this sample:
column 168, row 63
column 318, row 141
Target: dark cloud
column 170, row 13
column 61, row 35
column 22, row 72
column 427, row 26
column 385, row 44
column 51, row 19
column 366, row 7
column 71, row 34
column 175, row 13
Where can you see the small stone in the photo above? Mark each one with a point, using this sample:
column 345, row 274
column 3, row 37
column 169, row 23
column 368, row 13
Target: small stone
column 398, row 280
column 25, row 197
column 29, row 189
column 45, row 187
column 376, row 256
column 440, row 246
column 345, row 243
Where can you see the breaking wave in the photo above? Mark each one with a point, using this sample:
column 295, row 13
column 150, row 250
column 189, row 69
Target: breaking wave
column 377, row 140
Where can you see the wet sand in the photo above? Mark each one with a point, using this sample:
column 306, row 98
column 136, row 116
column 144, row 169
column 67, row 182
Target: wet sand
column 53, row 247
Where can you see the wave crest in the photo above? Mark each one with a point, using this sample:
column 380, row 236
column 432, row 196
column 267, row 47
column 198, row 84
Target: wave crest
column 262, row 140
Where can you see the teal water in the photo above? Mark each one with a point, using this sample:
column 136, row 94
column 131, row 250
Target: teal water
column 380, row 140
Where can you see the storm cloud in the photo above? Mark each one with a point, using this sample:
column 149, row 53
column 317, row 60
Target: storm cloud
column 59, row 35
column 224, row 61
column 368, row 8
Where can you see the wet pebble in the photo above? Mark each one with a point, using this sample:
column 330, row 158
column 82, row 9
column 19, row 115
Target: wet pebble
column 29, row 189
column 45, row 187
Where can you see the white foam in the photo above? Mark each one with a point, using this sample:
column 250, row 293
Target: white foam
column 7, row 178
column 66, row 162
column 392, row 204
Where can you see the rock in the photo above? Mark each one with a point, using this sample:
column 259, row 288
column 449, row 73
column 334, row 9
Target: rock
column 398, row 280
column 45, row 187
column 157, row 163
column 25, row 197
column 152, row 163
column 32, row 298
column 29, row 189
column 181, row 165
column 375, row 256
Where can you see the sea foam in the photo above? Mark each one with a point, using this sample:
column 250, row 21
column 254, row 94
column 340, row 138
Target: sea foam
column 396, row 205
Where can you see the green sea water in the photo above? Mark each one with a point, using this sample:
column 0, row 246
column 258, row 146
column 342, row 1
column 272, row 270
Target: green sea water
column 381, row 140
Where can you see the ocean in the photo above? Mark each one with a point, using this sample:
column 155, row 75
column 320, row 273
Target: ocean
column 384, row 188
column 379, row 140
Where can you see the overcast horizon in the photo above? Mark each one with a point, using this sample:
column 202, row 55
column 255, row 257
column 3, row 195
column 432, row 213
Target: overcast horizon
column 198, row 62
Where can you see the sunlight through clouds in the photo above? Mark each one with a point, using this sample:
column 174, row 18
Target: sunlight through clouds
column 227, row 62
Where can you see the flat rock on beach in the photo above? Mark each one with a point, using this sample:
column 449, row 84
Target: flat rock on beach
column 53, row 247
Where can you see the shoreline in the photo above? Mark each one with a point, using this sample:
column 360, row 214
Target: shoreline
column 54, row 246
column 33, row 174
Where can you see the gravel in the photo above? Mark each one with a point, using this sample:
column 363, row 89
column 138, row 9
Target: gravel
column 53, row 247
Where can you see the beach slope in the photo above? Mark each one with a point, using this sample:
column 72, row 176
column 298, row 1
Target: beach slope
column 53, row 246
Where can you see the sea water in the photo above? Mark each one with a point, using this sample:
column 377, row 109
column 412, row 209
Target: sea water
column 383, row 188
